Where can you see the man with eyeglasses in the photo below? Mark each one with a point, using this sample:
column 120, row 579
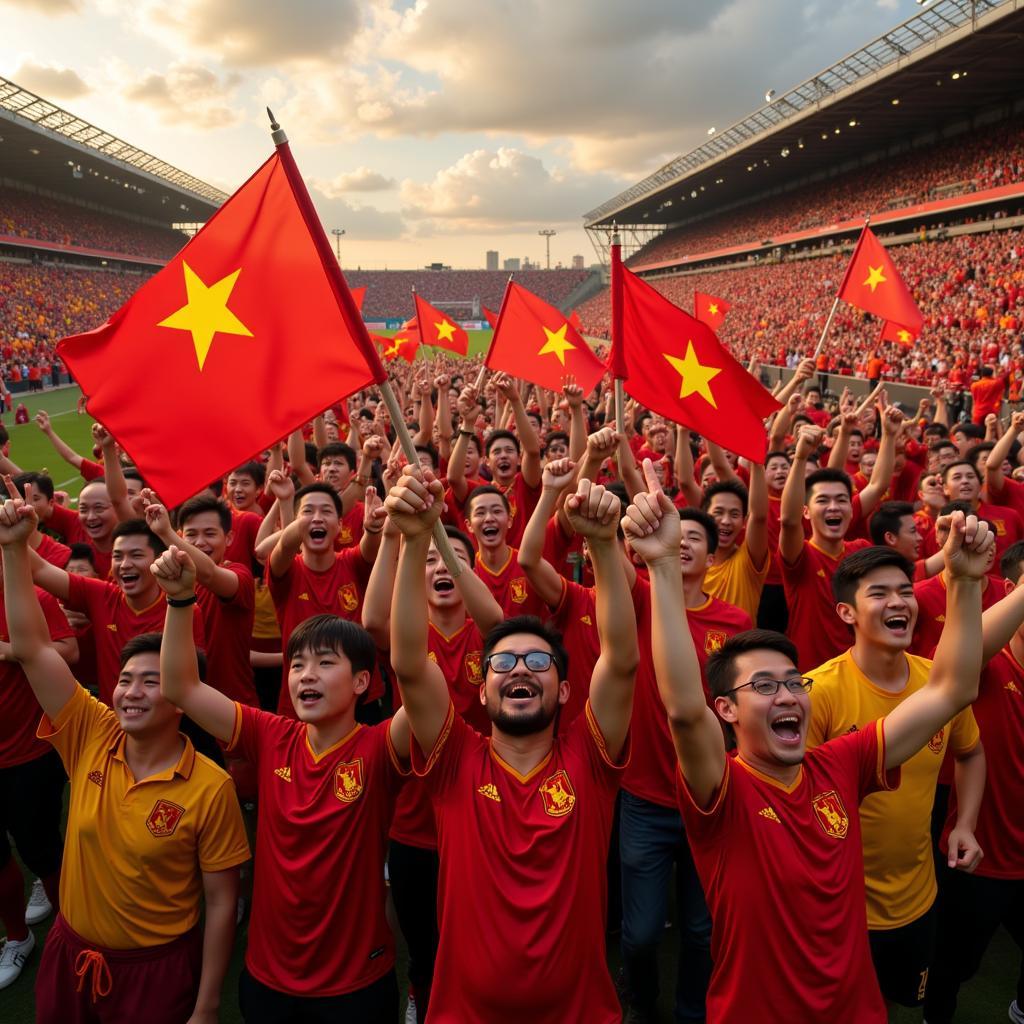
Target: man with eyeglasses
column 775, row 830
column 524, row 816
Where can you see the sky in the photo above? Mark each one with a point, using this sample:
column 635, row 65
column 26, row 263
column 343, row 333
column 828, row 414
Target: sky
column 434, row 130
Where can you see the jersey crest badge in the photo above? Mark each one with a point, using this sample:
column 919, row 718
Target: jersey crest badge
column 935, row 743
column 831, row 814
column 432, row 655
column 112, row 626
column 1012, row 687
column 586, row 620
column 1000, row 527
column 345, row 536
column 284, row 773
column 475, row 667
column 713, row 640
column 769, row 813
column 303, row 596
column 517, row 587
column 348, row 781
column 490, row 790
column 164, row 818
column 348, row 596
column 557, row 793
column 821, row 573
column 96, row 776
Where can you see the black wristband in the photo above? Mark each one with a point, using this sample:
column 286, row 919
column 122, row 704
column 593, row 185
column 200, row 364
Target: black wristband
column 467, row 433
column 182, row 602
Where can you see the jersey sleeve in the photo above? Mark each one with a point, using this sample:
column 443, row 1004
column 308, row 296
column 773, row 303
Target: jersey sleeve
column 222, row 840
column 704, row 824
column 963, row 733
column 604, row 767
column 81, row 721
column 56, row 620
column 439, row 767
column 251, row 728
column 866, row 750
column 819, row 729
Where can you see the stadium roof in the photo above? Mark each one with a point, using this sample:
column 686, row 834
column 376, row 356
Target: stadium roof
column 50, row 148
column 954, row 58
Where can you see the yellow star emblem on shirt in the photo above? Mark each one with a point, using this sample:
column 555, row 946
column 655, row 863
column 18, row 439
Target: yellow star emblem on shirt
column 713, row 309
column 875, row 278
column 557, row 343
column 696, row 379
column 445, row 329
column 206, row 313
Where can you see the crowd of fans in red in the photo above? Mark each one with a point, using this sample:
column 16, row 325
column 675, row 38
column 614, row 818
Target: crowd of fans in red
column 986, row 159
column 40, row 218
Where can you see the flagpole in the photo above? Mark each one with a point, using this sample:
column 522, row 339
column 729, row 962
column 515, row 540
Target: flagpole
column 355, row 322
column 842, row 285
column 501, row 312
column 616, row 289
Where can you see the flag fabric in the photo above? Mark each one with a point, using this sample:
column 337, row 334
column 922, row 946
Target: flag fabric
column 873, row 283
column 709, row 309
column 245, row 335
column 534, row 341
column 403, row 345
column 575, row 322
column 898, row 333
column 676, row 367
column 490, row 316
column 358, row 295
column 439, row 329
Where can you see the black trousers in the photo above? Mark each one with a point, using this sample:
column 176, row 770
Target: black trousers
column 31, row 796
column 413, row 874
column 375, row 1004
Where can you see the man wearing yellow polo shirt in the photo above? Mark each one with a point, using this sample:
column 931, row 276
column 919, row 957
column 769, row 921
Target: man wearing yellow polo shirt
column 153, row 827
column 875, row 595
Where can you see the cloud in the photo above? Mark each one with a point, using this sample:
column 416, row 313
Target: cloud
column 362, row 223
column 49, row 81
column 187, row 94
column 360, row 180
column 47, row 6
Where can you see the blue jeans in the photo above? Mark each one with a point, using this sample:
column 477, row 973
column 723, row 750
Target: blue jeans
column 651, row 841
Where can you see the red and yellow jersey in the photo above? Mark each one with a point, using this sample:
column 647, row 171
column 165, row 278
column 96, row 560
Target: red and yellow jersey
column 931, row 610
column 510, row 587
column 523, row 883
column 576, row 619
column 737, row 580
column 1008, row 525
column 351, row 527
column 66, row 523
column 522, row 500
column 899, row 867
column 318, row 926
column 783, row 875
column 244, row 527
column 228, row 628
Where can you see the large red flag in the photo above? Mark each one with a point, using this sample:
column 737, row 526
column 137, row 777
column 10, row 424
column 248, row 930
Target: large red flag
column 533, row 340
column 676, row 367
column 358, row 295
column 873, row 283
column 253, row 308
column 896, row 332
column 709, row 309
column 438, row 329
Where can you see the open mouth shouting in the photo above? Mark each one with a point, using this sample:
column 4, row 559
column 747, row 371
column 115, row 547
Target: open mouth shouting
column 520, row 691
column 318, row 534
column 309, row 697
column 443, row 585
column 833, row 520
column 490, row 533
column 787, row 728
column 898, row 623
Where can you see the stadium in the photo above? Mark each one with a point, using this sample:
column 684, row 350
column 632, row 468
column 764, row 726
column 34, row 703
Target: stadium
column 920, row 130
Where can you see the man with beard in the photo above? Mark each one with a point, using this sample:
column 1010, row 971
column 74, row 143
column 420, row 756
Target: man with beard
column 523, row 817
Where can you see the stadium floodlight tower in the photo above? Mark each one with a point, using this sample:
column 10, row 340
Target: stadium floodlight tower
column 337, row 232
column 546, row 234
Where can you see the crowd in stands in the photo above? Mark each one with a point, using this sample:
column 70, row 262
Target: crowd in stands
column 970, row 290
column 389, row 292
column 983, row 160
column 41, row 218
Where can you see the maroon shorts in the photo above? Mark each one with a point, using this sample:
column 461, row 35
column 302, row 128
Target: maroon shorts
column 82, row 983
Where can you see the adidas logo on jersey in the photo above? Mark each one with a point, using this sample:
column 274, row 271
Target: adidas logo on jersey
column 490, row 790
column 303, row 597
column 284, row 773
column 1012, row 687
column 586, row 620
column 769, row 813
column 96, row 776
column 112, row 626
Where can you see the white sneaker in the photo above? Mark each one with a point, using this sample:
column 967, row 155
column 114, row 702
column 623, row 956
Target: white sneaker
column 39, row 906
column 410, row 1011
column 1015, row 1013
column 12, row 959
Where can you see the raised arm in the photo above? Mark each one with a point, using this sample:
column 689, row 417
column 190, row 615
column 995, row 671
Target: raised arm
column 179, row 667
column 794, row 495
column 467, row 408
column 289, row 544
column 443, row 416
column 994, row 478
column 113, row 474
column 380, row 588
column 803, row 372
column 683, row 463
column 720, row 464
column 297, row 459
column 757, row 515
column 652, row 526
column 63, row 449
column 542, row 575
column 841, row 449
column 594, row 514
column 577, row 419
column 881, row 475
column 529, row 442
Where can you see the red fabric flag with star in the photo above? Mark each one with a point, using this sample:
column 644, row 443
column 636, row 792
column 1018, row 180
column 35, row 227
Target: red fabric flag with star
column 402, row 346
column 709, row 309
column 490, row 316
column 873, row 283
column 253, row 308
column 898, row 333
column 439, row 329
column 534, row 341
column 676, row 367
column 575, row 322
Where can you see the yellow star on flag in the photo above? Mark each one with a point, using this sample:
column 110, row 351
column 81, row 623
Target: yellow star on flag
column 696, row 379
column 904, row 335
column 206, row 313
column 713, row 309
column 557, row 343
column 392, row 350
column 445, row 329
column 874, row 278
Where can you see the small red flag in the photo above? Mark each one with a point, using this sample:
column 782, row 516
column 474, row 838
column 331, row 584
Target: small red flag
column 253, row 305
column 575, row 322
column 873, row 283
column 490, row 316
column 709, row 309
column 676, row 367
column 534, row 341
column 439, row 329
column 403, row 345
column 898, row 333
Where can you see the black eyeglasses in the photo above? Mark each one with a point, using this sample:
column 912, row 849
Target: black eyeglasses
column 768, row 687
column 505, row 661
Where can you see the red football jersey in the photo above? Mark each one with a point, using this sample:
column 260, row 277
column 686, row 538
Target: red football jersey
column 814, row 626
column 999, row 712
column 53, row 551
column 931, row 610
column 351, row 527
column 565, row 553
column 114, row 623
column 244, row 527
column 19, row 710
column 511, row 589
column 651, row 774
column 228, row 628
column 1009, row 526
column 523, row 884
column 318, row 926
column 783, row 874
column 65, row 522
column 91, row 470
column 522, row 500
column 1011, row 494
column 576, row 619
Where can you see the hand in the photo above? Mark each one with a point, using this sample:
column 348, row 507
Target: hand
column 373, row 447
column 964, row 852
column 159, row 521
column 990, row 420
column 892, row 420
column 467, row 404
column 968, row 548
column 442, row 382
column 1017, row 422
column 794, row 404
column 280, row 486
column 102, row 436
column 594, row 512
column 572, row 391
column 43, row 421
column 808, row 440
column 937, row 391
column 601, row 444
column 373, row 511
column 392, row 470
column 506, row 385
column 849, row 421
column 847, row 403
column 76, row 620
column 558, row 474
column 18, row 518
column 651, row 523
column 805, row 370
column 416, row 502
column 175, row 572
column 203, row 1017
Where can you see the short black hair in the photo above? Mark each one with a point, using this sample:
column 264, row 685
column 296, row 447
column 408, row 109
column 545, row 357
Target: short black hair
column 40, row 482
column 83, row 552
column 455, row 534
column 333, row 633
column 431, row 452
column 720, row 668
column 852, row 569
column 556, row 435
column 253, row 469
column 699, row 516
column 318, row 488
column 1011, row 562
column 200, row 504
column 139, row 528
column 726, row 487
column 937, row 430
column 483, row 489
column 336, row 449
column 828, row 475
column 941, row 445
column 149, row 643
column 975, row 452
column 778, row 453
column 955, row 465
column 887, row 519
column 532, row 625
column 500, row 435
column 975, row 431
